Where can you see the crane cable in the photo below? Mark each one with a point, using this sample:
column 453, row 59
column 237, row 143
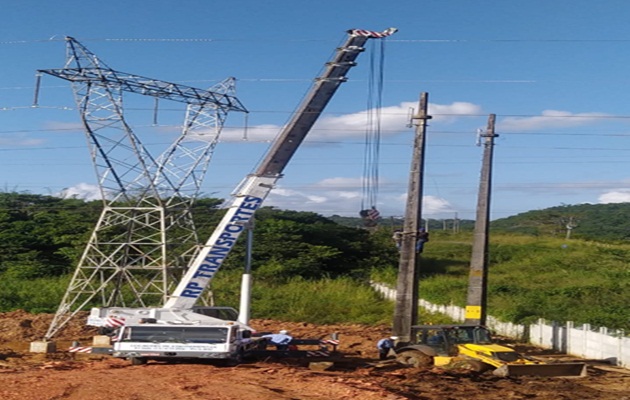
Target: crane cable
column 373, row 135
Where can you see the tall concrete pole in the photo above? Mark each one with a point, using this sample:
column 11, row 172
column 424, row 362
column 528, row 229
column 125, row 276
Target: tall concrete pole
column 476, row 303
column 406, row 309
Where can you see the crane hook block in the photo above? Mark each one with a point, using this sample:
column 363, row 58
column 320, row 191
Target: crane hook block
column 372, row 34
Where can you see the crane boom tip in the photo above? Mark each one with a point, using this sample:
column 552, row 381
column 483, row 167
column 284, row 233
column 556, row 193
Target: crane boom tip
column 372, row 34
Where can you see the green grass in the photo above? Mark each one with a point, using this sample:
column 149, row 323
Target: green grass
column 529, row 278
column 324, row 301
column 33, row 295
column 532, row 277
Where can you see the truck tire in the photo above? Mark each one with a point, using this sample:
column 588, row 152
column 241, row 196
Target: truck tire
column 233, row 361
column 414, row 358
column 238, row 359
column 105, row 331
column 138, row 360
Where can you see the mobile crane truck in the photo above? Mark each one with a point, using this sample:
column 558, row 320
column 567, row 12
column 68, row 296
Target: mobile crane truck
column 175, row 331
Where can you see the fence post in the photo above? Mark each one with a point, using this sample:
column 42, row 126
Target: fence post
column 570, row 346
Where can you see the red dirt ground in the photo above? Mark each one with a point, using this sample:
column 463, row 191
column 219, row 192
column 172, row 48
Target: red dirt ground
column 63, row 375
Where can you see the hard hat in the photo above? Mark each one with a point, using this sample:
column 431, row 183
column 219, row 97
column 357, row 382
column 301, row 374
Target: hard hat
column 393, row 337
column 283, row 332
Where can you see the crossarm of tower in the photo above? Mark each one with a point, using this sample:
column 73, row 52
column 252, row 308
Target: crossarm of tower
column 147, row 86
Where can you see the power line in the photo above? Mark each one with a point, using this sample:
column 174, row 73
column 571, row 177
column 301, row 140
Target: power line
column 357, row 130
column 349, row 143
column 388, row 81
column 510, row 40
column 538, row 148
column 401, row 113
column 286, row 40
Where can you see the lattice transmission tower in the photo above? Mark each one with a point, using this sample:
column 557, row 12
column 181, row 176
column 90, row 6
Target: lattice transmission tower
column 145, row 236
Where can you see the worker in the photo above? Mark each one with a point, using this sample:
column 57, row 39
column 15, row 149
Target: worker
column 421, row 239
column 384, row 346
column 281, row 339
column 435, row 340
column 398, row 237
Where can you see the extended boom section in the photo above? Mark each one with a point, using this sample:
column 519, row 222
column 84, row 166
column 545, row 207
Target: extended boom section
column 252, row 192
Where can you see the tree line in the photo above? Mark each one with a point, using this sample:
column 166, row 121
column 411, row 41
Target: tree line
column 44, row 236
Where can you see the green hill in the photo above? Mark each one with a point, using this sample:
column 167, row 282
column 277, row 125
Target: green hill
column 602, row 222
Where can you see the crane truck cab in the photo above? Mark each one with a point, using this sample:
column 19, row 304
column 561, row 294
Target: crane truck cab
column 221, row 341
column 144, row 334
column 472, row 347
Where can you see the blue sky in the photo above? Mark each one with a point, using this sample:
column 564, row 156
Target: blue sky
column 554, row 73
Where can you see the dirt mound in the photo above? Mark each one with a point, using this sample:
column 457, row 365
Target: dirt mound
column 72, row 376
column 19, row 325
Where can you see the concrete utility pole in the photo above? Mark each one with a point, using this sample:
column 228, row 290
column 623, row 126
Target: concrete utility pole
column 476, row 312
column 406, row 310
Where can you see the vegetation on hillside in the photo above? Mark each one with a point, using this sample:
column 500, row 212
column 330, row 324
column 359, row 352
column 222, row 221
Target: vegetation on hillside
column 308, row 267
column 295, row 252
column 532, row 277
column 600, row 222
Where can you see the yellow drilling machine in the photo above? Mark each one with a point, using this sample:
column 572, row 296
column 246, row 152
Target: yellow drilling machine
column 472, row 347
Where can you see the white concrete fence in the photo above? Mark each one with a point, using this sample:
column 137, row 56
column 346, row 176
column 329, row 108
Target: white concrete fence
column 580, row 341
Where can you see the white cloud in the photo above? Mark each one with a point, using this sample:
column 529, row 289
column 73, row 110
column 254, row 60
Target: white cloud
column 449, row 112
column 340, row 183
column 547, row 120
column 293, row 195
column 432, row 205
column 393, row 119
column 615, row 196
column 342, row 196
column 257, row 133
column 348, row 195
column 339, row 196
column 83, row 191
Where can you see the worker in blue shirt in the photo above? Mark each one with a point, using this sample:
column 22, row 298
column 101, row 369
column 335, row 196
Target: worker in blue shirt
column 281, row 339
column 421, row 239
column 384, row 346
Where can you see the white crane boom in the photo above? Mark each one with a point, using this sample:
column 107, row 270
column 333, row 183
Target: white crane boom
column 251, row 193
